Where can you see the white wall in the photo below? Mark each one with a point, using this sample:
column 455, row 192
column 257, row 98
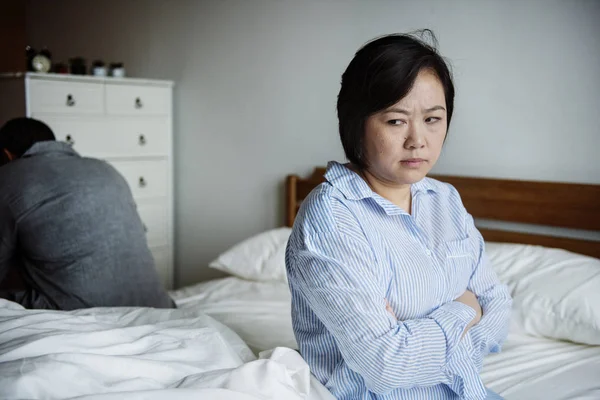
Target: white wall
column 257, row 83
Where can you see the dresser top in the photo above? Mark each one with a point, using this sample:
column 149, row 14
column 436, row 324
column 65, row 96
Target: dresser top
column 86, row 78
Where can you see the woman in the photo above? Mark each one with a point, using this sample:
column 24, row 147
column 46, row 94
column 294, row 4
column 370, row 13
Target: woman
column 393, row 296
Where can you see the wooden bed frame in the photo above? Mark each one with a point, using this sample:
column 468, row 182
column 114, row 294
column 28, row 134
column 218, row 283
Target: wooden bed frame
column 563, row 205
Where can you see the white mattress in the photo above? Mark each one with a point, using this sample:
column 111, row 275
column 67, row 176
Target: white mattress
column 528, row 368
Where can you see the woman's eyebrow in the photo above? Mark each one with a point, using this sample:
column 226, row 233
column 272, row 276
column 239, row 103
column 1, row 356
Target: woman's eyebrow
column 406, row 112
column 434, row 108
column 397, row 110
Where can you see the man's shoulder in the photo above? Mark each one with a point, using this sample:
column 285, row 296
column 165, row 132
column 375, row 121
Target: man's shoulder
column 39, row 177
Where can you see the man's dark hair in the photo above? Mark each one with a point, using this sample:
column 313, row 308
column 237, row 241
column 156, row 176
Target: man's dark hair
column 19, row 134
column 381, row 73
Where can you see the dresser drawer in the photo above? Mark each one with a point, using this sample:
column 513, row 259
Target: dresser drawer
column 86, row 136
column 66, row 97
column 145, row 178
column 137, row 100
column 100, row 138
column 163, row 266
column 154, row 217
column 139, row 138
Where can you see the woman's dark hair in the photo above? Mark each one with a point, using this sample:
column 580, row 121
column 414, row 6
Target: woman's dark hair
column 19, row 134
column 381, row 73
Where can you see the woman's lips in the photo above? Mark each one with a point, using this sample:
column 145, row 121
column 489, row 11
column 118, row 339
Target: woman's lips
column 413, row 162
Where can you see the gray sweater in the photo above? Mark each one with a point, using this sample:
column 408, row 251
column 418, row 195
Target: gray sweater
column 70, row 225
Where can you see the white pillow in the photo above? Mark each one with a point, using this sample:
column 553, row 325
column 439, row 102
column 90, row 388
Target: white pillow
column 259, row 258
column 556, row 293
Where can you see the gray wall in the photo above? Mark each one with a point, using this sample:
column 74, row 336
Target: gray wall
column 257, row 82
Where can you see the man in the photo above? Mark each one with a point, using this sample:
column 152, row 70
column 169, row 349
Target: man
column 69, row 228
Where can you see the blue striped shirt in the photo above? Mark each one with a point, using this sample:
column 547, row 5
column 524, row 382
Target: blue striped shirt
column 352, row 250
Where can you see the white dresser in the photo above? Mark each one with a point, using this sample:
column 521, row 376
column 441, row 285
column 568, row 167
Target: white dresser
column 127, row 122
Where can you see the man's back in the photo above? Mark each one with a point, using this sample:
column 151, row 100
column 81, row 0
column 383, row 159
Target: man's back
column 74, row 228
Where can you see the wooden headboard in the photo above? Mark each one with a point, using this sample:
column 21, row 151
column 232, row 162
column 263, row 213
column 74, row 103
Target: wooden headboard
column 563, row 205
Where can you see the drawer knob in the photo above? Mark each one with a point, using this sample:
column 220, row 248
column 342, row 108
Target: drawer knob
column 138, row 103
column 70, row 100
column 142, row 182
column 69, row 140
column 142, row 140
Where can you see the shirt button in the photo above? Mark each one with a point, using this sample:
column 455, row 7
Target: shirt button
column 428, row 252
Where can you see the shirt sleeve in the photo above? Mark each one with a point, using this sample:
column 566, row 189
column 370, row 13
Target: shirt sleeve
column 5, row 256
column 494, row 297
column 335, row 273
column 7, row 243
column 466, row 381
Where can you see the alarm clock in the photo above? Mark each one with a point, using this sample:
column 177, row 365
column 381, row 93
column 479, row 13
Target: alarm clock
column 38, row 61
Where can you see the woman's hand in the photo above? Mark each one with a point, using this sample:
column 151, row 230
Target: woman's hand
column 470, row 300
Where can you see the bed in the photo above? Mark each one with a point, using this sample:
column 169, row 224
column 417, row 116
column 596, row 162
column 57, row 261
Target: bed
column 232, row 338
column 255, row 302
column 528, row 367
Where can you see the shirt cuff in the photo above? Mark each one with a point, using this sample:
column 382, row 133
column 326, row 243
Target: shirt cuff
column 481, row 338
column 473, row 349
column 466, row 382
column 453, row 318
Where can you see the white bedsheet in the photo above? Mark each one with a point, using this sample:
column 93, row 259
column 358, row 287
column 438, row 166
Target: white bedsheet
column 138, row 353
column 528, row 368
column 257, row 311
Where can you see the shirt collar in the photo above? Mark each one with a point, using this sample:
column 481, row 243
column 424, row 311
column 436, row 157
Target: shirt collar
column 354, row 187
column 49, row 147
column 424, row 185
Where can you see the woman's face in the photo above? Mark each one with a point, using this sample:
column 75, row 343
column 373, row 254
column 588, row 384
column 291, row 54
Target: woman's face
column 404, row 141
